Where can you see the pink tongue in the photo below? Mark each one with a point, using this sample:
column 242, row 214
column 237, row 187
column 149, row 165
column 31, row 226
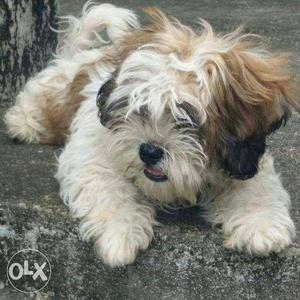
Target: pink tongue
column 153, row 171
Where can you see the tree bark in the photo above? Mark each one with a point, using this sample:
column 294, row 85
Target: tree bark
column 26, row 42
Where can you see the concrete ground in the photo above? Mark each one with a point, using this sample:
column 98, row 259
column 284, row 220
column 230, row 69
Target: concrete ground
column 186, row 260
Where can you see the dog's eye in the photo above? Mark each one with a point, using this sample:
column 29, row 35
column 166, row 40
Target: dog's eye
column 111, row 109
column 191, row 119
column 185, row 127
column 183, row 124
column 143, row 112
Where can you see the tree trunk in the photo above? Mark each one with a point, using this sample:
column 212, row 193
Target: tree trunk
column 26, row 42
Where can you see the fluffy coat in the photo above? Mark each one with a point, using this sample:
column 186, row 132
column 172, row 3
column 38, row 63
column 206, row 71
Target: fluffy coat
column 208, row 100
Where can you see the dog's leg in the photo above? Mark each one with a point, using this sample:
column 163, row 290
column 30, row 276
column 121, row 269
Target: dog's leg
column 45, row 108
column 255, row 212
column 113, row 215
column 112, row 210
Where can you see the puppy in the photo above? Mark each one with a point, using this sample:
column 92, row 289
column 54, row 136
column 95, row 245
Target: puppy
column 161, row 113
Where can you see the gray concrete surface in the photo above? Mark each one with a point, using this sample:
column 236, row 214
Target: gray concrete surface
column 186, row 260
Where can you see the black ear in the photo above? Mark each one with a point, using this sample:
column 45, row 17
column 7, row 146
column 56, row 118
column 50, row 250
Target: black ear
column 240, row 159
column 102, row 97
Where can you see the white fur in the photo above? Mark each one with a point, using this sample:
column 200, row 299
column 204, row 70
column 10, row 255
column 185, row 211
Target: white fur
column 84, row 33
column 100, row 173
column 255, row 212
column 113, row 211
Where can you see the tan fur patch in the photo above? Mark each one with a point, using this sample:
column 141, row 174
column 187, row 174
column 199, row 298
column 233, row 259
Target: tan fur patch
column 165, row 31
column 249, row 92
column 256, row 93
column 57, row 115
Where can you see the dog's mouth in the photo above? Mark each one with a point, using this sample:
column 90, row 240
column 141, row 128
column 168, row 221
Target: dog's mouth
column 155, row 174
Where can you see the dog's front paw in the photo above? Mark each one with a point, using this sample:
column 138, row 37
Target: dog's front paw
column 259, row 237
column 119, row 245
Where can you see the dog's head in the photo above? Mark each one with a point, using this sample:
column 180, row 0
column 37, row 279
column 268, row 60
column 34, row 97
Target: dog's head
column 182, row 103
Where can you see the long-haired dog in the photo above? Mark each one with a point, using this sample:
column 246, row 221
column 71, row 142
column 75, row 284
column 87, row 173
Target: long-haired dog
column 161, row 114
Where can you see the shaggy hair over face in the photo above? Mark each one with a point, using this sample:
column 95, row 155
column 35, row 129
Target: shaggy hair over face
column 227, row 87
column 162, row 113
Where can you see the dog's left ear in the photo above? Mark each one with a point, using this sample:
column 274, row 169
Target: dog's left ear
column 251, row 96
column 240, row 159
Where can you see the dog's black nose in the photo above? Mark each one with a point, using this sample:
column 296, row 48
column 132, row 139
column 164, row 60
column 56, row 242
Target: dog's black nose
column 150, row 154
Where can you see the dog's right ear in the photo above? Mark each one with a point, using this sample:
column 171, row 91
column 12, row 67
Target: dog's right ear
column 110, row 110
column 102, row 97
